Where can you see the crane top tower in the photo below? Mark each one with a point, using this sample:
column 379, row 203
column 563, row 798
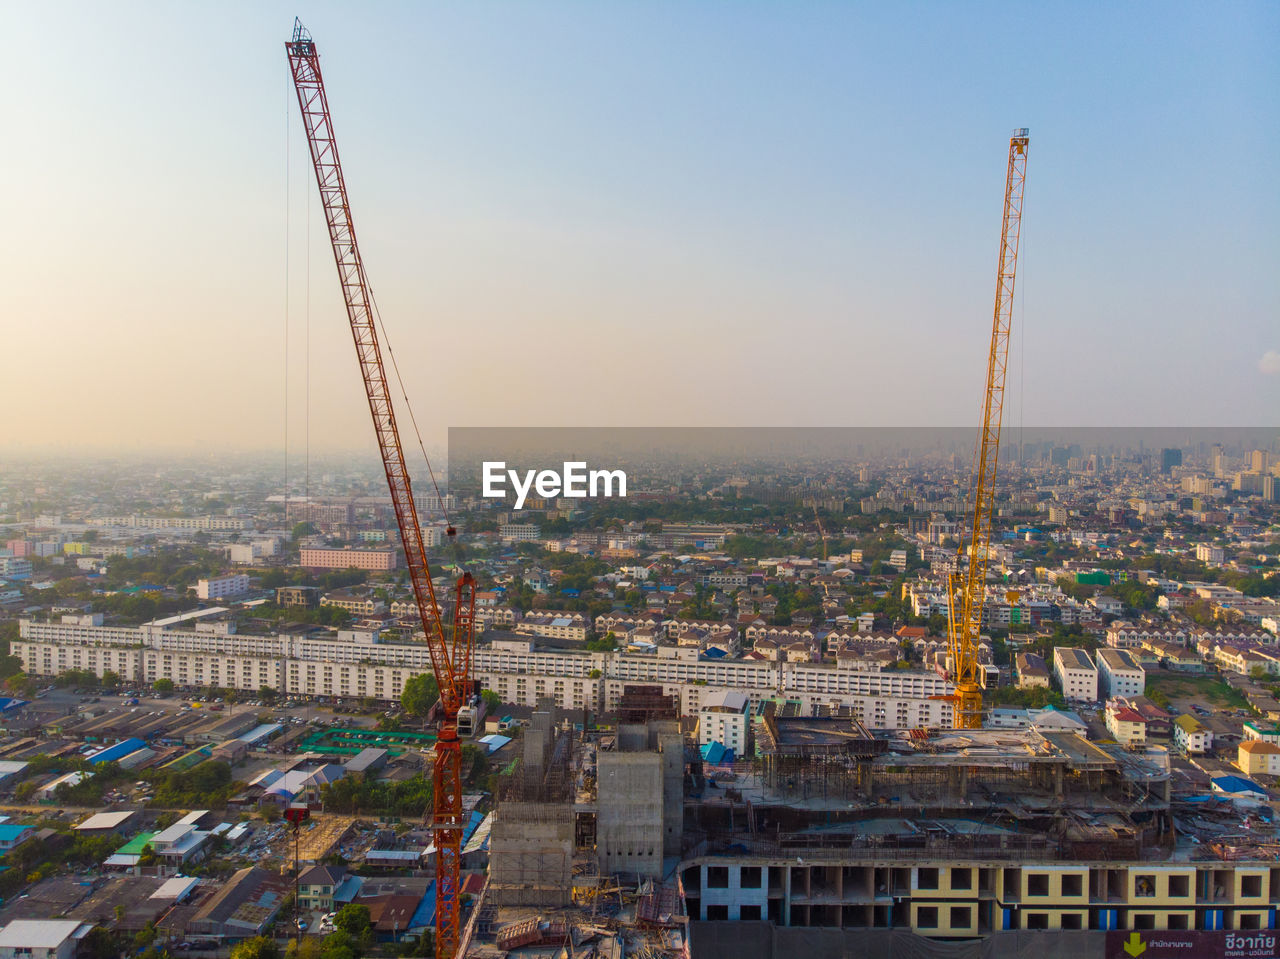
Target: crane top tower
column 968, row 583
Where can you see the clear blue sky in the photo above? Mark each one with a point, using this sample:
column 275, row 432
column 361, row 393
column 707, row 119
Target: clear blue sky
column 641, row 214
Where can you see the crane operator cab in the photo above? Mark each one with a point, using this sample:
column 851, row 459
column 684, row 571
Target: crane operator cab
column 468, row 717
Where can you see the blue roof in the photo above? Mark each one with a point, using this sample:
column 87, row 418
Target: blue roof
column 426, row 911
column 117, row 751
column 10, row 831
column 716, row 753
column 1238, row 784
column 472, row 825
column 714, row 652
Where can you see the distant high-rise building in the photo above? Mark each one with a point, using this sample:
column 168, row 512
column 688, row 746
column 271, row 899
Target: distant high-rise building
column 1219, row 461
column 1169, row 458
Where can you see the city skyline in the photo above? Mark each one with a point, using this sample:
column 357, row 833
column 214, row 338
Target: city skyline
column 796, row 208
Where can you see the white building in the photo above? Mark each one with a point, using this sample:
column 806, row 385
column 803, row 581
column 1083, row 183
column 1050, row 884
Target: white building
column 223, row 587
column 360, row 664
column 1191, row 736
column 1119, row 674
column 42, row 938
column 570, row 626
column 519, row 532
column 1076, row 673
column 723, row 719
column 1125, row 723
column 1210, row 555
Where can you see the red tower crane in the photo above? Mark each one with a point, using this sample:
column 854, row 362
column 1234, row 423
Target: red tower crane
column 450, row 651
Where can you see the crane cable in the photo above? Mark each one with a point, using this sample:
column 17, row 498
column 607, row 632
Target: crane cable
column 386, row 339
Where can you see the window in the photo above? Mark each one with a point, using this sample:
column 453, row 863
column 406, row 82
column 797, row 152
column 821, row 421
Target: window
column 961, row 879
column 717, row 913
column 749, row 877
column 926, row 878
column 1144, row 886
column 1037, row 920
column 1178, row 922
column 749, row 912
column 1251, row 886
column 960, row 917
column 718, row 877
column 1072, row 920
column 927, row 917
column 1144, row 920
column 1038, row 884
column 1178, row 886
column 1250, row 920
column 1072, row 885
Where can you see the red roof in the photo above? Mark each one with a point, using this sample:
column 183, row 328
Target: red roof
column 1129, row 715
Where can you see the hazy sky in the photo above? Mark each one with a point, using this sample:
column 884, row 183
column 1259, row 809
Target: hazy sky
column 638, row 214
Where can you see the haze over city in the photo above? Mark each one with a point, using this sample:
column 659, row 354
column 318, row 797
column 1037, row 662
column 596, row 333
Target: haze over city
column 778, row 584
column 638, row 215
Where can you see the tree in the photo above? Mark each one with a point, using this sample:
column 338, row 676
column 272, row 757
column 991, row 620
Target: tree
column 1258, row 673
column 337, row 945
column 259, row 947
column 145, row 936
column 420, row 694
column 492, row 701
column 98, row 943
column 353, row 919
column 307, row 948
column 163, row 685
column 9, row 665
column 110, row 679
column 148, row 856
column 20, row 684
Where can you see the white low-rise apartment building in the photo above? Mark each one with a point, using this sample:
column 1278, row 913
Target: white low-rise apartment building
column 358, row 664
column 724, row 719
column 222, row 587
column 1076, row 673
column 1191, row 736
column 1119, row 674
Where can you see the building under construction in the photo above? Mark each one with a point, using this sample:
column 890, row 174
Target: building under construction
column 626, row 841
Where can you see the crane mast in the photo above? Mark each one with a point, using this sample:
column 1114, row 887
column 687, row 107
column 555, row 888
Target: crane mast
column 968, row 583
column 450, row 654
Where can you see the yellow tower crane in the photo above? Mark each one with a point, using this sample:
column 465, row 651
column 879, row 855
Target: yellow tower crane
column 968, row 581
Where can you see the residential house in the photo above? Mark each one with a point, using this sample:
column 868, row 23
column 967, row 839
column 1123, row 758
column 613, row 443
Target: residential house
column 42, row 938
column 316, row 887
column 1032, row 671
column 1191, row 736
column 1254, row 756
column 1125, row 723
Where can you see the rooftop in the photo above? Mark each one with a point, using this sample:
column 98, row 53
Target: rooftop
column 40, row 933
column 104, row 820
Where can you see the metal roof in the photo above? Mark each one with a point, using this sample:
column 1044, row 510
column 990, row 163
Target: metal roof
column 39, row 933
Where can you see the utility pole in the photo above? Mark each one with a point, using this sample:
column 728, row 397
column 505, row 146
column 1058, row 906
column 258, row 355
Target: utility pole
column 297, row 814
